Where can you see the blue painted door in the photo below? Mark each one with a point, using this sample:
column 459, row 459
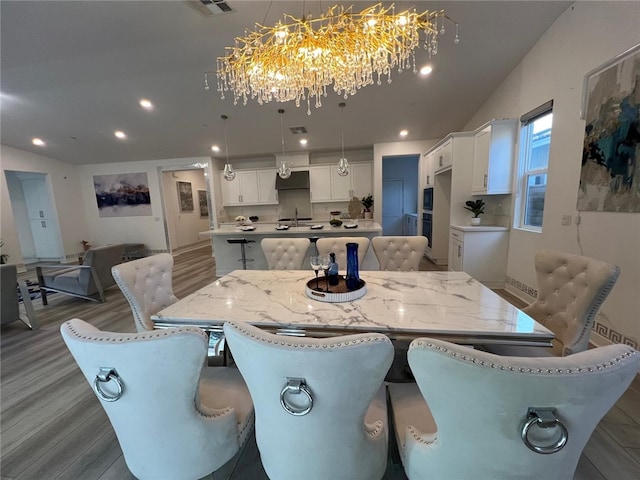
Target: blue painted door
column 393, row 206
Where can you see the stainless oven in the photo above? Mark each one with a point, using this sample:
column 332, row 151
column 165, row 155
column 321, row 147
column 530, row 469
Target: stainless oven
column 427, row 199
column 427, row 226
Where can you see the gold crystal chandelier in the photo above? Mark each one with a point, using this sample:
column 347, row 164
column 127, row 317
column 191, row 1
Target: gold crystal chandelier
column 299, row 57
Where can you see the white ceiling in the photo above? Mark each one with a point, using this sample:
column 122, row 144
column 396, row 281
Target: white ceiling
column 73, row 72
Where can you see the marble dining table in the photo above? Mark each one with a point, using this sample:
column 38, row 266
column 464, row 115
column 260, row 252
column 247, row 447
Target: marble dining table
column 403, row 305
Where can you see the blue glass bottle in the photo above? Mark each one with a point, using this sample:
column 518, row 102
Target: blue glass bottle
column 353, row 277
column 333, row 270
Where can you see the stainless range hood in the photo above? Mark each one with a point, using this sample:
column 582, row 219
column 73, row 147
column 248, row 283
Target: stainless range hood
column 297, row 181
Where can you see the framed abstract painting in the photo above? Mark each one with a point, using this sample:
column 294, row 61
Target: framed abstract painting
column 610, row 174
column 185, row 196
column 122, row 195
column 202, row 203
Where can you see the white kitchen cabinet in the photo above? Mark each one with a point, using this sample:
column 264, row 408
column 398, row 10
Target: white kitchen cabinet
column 451, row 187
column 411, row 224
column 250, row 187
column 493, row 157
column 361, row 179
column 456, row 253
column 443, row 156
column 481, row 252
column 327, row 186
column 267, row 193
column 340, row 186
column 320, row 183
column 231, row 191
column 428, row 163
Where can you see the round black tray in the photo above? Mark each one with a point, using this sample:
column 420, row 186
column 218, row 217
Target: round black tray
column 337, row 293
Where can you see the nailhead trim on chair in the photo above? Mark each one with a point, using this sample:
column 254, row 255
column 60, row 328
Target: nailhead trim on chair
column 418, row 438
column 471, row 359
column 597, row 302
column 574, row 273
column 377, row 428
column 222, row 412
column 143, row 268
column 149, row 335
column 138, row 336
column 305, row 345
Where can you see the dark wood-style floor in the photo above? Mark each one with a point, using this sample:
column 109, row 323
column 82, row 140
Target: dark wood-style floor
column 53, row 427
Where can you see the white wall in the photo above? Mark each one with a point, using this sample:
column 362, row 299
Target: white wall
column 585, row 36
column 77, row 209
column 149, row 230
column 68, row 197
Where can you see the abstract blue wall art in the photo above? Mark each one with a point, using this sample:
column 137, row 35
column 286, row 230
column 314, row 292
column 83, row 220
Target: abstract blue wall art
column 122, row 195
column 610, row 176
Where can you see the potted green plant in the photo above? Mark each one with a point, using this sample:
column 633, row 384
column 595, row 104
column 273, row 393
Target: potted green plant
column 477, row 208
column 367, row 203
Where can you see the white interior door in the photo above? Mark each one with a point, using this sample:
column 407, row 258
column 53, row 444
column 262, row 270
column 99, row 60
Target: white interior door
column 392, row 206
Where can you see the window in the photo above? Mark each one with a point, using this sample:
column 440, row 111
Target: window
column 535, row 139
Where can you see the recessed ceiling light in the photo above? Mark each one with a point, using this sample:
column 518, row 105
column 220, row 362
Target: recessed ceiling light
column 38, row 141
column 426, row 70
column 303, row 141
column 215, row 148
column 144, row 103
column 120, row 134
column 404, row 133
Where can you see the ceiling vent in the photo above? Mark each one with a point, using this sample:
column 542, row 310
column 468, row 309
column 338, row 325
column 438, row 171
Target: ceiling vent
column 298, row 130
column 210, row 8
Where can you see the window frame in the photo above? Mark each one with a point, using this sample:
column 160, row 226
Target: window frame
column 524, row 172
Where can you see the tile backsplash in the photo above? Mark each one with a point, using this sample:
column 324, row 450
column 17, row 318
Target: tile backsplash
column 288, row 200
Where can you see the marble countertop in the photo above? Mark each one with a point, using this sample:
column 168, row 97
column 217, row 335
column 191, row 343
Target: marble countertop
column 480, row 228
column 449, row 305
column 364, row 226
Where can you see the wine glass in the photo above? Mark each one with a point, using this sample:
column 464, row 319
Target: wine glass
column 315, row 261
column 324, row 265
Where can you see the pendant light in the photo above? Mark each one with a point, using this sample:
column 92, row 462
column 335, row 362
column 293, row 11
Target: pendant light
column 284, row 171
column 228, row 173
column 343, row 167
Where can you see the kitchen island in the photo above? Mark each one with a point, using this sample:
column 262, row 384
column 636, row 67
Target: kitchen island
column 228, row 255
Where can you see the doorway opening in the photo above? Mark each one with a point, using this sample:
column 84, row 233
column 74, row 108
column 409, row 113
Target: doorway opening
column 186, row 205
column 400, row 176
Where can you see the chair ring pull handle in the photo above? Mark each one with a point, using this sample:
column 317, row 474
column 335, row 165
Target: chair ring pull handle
column 296, row 386
column 106, row 375
column 544, row 418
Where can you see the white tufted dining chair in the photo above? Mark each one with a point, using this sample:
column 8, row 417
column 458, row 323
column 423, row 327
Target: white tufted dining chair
column 174, row 419
column 571, row 289
column 285, row 253
column 344, row 434
column 465, row 418
column 147, row 284
column 399, row 253
column 338, row 245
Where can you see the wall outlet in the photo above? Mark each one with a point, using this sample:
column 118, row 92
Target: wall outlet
column 566, row 220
